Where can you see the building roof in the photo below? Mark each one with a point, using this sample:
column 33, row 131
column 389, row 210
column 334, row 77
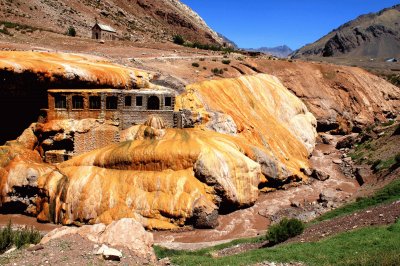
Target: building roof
column 105, row 27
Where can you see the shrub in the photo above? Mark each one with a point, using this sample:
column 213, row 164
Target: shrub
column 284, row 230
column 71, row 31
column 226, row 62
column 18, row 237
column 178, row 39
column 205, row 68
column 195, row 64
column 202, row 59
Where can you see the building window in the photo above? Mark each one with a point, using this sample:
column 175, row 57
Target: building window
column 168, row 101
column 60, row 102
column 112, row 103
column 94, row 102
column 128, row 101
column 77, row 102
column 153, row 103
column 139, row 100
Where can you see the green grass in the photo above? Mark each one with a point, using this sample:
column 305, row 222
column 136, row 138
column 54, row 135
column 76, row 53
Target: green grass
column 388, row 194
column 367, row 246
column 17, row 237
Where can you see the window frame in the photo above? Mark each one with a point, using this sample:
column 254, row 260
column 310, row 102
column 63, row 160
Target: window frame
column 90, row 102
column 74, row 102
column 108, row 102
column 141, row 101
column 55, row 102
column 170, row 101
column 130, row 101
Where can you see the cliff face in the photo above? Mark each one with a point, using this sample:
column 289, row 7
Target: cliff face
column 373, row 35
column 341, row 98
column 141, row 20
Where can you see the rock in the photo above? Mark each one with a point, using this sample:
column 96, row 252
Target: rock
column 326, row 138
column 360, row 175
column 346, row 142
column 320, row 175
column 347, row 159
column 12, row 249
column 35, row 247
column 295, row 204
column 306, row 171
column 327, row 197
column 109, row 253
column 131, row 234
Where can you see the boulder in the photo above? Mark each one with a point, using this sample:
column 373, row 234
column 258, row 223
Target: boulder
column 346, row 142
column 109, row 253
column 320, row 175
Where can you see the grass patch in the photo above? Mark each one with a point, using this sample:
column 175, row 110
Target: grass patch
column 17, row 237
column 367, row 246
column 164, row 252
column 387, row 194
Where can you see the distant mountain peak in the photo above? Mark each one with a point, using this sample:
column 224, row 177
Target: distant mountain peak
column 278, row 51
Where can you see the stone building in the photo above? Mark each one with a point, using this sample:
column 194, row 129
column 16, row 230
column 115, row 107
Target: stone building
column 122, row 108
column 103, row 32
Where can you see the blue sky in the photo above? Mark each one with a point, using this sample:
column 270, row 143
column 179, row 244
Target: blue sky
column 257, row 23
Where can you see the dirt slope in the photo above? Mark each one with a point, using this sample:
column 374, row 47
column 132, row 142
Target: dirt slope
column 136, row 20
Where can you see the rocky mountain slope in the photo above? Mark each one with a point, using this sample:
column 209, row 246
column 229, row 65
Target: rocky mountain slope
column 372, row 35
column 138, row 20
column 279, row 51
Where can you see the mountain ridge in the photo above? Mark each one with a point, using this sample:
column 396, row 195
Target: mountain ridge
column 370, row 35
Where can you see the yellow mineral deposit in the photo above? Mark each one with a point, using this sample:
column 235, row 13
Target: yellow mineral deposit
column 70, row 66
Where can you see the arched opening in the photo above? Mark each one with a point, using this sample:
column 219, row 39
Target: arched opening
column 153, row 103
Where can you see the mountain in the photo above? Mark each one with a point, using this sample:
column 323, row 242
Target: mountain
column 227, row 41
column 140, row 20
column 279, row 51
column 374, row 35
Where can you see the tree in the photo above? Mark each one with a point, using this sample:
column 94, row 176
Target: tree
column 178, row 39
column 71, row 31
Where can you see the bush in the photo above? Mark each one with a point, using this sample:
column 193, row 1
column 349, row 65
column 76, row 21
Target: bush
column 195, row 65
column 226, row 62
column 71, row 31
column 178, row 39
column 284, row 230
column 217, row 71
column 18, row 237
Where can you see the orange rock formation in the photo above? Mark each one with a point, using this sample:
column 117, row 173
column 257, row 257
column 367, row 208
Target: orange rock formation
column 163, row 177
column 89, row 69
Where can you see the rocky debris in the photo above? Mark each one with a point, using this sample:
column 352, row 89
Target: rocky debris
column 326, row 138
column 320, row 175
column 379, row 215
column 138, row 241
column 337, row 161
column 109, row 253
column 346, row 142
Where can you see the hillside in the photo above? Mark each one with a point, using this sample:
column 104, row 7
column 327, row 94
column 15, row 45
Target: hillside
column 135, row 20
column 375, row 35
